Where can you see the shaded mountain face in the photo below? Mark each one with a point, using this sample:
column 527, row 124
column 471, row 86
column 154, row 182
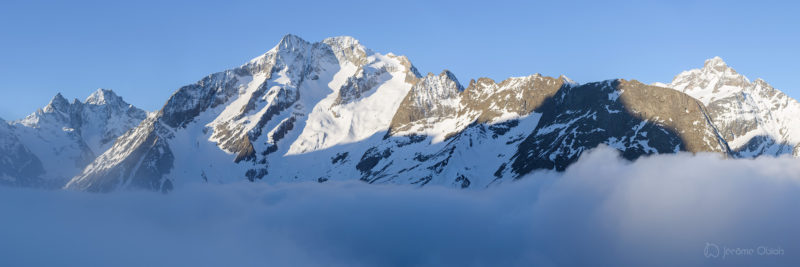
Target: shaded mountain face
column 335, row 110
column 753, row 117
column 58, row 141
column 499, row 132
column 18, row 165
column 634, row 118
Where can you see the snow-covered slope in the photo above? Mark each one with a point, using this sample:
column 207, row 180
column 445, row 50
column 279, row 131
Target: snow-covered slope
column 18, row 166
column 297, row 98
column 753, row 117
column 336, row 110
column 64, row 137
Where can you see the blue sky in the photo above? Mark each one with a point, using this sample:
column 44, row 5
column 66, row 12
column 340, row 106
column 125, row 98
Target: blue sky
column 144, row 50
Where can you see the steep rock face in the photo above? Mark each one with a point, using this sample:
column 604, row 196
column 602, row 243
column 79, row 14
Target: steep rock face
column 104, row 117
column 98, row 120
column 674, row 111
column 18, row 165
column 634, row 118
column 486, row 100
column 434, row 98
column 463, row 146
column 66, row 136
column 439, row 106
column 753, row 117
column 140, row 161
column 229, row 125
column 502, row 131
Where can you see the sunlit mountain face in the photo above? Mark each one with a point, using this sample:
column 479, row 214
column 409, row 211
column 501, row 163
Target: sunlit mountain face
column 335, row 110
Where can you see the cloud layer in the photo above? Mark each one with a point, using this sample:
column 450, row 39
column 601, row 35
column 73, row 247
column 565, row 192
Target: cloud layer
column 663, row 210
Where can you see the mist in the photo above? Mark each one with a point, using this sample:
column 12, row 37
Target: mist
column 665, row 210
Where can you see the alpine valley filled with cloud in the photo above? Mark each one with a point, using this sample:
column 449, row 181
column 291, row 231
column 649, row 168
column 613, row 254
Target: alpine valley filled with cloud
column 330, row 153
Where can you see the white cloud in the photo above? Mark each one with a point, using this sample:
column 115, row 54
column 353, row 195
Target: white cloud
column 661, row 210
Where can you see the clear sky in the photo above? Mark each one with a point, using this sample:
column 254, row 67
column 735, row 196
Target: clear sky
column 145, row 50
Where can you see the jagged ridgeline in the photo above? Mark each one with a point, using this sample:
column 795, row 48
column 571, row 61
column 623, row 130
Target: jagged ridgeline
column 50, row 146
column 335, row 110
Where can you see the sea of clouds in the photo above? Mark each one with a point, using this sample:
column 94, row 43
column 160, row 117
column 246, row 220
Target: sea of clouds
column 667, row 210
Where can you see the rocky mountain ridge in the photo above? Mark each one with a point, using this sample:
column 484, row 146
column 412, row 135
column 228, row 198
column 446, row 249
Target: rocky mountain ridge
column 57, row 141
column 753, row 117
column 335, row 110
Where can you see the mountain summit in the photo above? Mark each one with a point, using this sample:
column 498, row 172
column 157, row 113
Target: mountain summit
column 335, row 110
column 753, row 117
column 60, row 139
column 297, row 98
column 712, row 82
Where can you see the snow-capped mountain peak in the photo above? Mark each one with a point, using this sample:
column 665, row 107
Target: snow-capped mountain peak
column 103, row 97
column 714, row 81
column 335, row 110
column 753, row 117
column 445, row 83
column 66, row 136
column 348, row 49
column 715, row 63
column 291, row 42
column 433, row 98
column 297, row 98
column 57, row 103
column 567, row 80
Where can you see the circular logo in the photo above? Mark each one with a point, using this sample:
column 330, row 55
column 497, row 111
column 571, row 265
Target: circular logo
column 711, row 251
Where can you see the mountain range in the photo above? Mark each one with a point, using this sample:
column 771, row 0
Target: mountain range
column 335, row 110
column 50, row 146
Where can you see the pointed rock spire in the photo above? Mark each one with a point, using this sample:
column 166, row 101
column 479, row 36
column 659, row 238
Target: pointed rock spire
column 58, row 103
column 715, row 80
column 343, row 41
column 291, row 42
column 58, row 98
column 435, row 96
column 567, row 80
column 347, row 48
column 716, row 64
column 452, row 77
column 432, row 87
column 714, row 61
column 102, row 97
